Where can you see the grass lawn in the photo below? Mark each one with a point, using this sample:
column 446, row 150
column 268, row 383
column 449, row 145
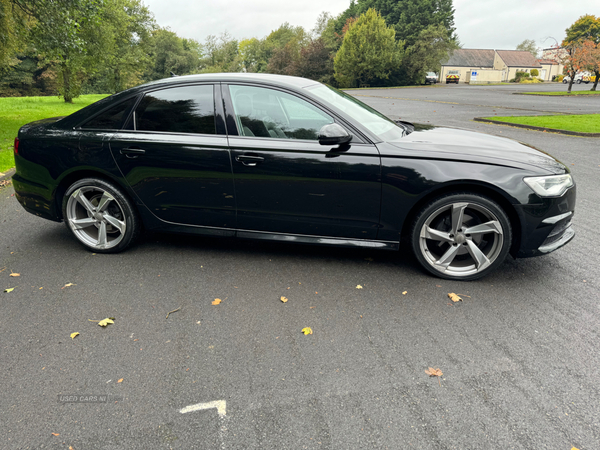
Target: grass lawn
column 563, row 93
column 17, row 111
column 585, row 123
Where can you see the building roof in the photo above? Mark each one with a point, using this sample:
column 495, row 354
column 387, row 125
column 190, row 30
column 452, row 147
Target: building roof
column 548, row 61
column 518, row 58
column 466, row 57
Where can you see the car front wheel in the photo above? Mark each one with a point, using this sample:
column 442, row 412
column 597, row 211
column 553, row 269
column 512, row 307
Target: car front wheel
column 461, row 236
column 100, row 215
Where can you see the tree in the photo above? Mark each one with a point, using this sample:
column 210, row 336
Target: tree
column 419, row 24
column 56, row 28
column 123, row 35
column 426, row 54
column 252, row 54
column 221, row 55
column 410, row 17
column 369, row 51
column 316, row 62
column 12, row 21
column 170, row 53
column 571, row 57
column 528, row 45
column 590, row 59
column 585, row 28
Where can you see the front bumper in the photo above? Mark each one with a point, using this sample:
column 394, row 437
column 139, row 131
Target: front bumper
column 547, row 225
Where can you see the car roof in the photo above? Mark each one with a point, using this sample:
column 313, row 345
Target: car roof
column 280, row 80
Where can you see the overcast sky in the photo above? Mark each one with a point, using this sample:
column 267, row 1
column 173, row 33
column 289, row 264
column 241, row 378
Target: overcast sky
column 479, row 23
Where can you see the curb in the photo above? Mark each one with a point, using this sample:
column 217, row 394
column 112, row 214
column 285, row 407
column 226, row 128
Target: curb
column 531, row 127
column 556, row 95
column 7, row 175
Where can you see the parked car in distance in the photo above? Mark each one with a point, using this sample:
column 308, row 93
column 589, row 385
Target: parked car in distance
column 581, row 77
column 431, row 78
column 289, row 159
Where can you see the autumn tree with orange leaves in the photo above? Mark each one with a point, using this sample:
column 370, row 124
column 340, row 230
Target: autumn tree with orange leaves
column 583, row 40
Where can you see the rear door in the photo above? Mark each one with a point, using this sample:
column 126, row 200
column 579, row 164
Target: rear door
column 175, row 156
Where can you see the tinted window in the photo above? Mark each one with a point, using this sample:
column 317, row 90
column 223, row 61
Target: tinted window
column 189, row 109
column 112, row 118
column 270, row 113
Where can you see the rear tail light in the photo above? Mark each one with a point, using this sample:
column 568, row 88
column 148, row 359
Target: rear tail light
column 16, row 146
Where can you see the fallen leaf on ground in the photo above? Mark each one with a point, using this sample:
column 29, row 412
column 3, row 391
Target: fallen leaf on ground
column 120, row 380
column 434, row 372
column 9, row 290
column 284, row 299
column 216, row 301
column 405, row 292
column 74, row 334
column 307, row 330
column 68, row 284
column 55, row 434
column 358, row 286
column 105, row 322
column 12, row 274
column 455, row 298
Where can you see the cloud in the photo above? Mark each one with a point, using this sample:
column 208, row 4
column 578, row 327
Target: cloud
column 479, row 23
column 504, row 25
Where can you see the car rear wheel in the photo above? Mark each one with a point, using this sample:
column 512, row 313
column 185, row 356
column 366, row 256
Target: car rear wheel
column 100, row 215
column 461, row 236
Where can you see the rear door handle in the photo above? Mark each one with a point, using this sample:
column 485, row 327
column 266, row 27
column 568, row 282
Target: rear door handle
column 249, row 160
column 132, row 152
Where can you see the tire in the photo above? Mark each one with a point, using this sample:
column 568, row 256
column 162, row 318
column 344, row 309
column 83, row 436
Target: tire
column 100, row 216
column 578, row 81
column 565, row 81
column 469, row 247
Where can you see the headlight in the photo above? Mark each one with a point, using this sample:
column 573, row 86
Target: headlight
column 550, row 186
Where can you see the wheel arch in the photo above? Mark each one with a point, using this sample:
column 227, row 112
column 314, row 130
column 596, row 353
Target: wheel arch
column 474, row 188
column 77, row 175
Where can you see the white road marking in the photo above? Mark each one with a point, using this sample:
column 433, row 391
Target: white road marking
column 219, row 404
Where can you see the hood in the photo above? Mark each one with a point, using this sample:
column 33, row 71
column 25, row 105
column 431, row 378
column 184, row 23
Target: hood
column 474, row 146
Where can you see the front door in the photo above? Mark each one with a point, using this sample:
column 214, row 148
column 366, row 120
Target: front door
column 286, row 182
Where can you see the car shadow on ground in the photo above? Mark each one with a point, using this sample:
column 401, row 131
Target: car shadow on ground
column 168, row 246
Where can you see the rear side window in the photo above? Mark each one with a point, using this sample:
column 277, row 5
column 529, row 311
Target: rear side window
column 112, row 118
column 188, row 109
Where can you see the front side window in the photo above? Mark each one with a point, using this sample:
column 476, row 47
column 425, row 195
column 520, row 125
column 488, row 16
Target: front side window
column 269, row 113
column 187, row 109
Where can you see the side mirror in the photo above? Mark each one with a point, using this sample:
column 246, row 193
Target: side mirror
column 333, row 134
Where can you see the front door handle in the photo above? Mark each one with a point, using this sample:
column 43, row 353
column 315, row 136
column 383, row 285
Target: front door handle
column 249, row 160
column 132, row 152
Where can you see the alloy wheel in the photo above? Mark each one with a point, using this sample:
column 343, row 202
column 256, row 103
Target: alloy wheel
column 461, row 239
column 95, row 217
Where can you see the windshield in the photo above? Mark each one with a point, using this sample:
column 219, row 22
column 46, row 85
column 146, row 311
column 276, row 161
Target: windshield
column 374, row 121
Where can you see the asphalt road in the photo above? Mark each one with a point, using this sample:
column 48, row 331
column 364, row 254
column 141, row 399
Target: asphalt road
column 519, row 355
